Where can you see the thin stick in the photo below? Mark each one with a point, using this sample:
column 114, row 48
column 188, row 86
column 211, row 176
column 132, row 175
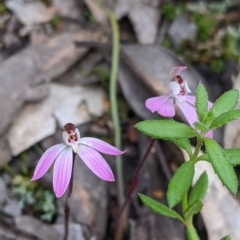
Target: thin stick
column 135, row 180
column 66, row 205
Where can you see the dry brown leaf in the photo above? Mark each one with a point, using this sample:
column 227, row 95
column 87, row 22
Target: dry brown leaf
column 144, row 15
column 34, row 66
column 30, row 13
column 37, row 121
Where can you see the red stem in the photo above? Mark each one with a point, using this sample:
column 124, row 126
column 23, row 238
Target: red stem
column 66, row 206
column 135, row 181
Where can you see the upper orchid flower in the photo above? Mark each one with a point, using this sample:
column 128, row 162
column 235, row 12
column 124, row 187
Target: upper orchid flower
column 86, row 148
column 177, row 93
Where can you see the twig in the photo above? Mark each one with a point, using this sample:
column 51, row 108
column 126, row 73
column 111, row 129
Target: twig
column 134, row 181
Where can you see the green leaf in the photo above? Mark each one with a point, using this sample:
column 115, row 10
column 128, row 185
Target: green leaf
column 233, row 155
column 225, row 118
column 165, row 129
column 226, row 238
column 210, row 118
column 203, row 157
column 221, row 165
column 199, row 190
column 225, row 103
column 159, row 207
column 180, row 183
column 201, row 102
column 192, row 209
column 185, row 144
column 200, row 126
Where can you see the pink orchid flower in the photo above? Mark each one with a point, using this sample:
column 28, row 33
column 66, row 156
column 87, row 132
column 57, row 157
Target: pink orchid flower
column 88, row 150
column 177, row 93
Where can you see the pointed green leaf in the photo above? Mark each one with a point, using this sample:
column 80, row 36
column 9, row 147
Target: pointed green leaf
column 226, row 102
column 192, row 209
column 199, row 190
column 165, row 129
column 180, row 183
column 221, row 165
column 225, row 118
column 159, row 207
column 233, row 155
column 226, row 238
column 200, row 126
column 185, row 144
column 201, row 102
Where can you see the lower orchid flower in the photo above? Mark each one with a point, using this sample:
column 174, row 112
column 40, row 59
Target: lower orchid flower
column 88, row 150
column 177, row 93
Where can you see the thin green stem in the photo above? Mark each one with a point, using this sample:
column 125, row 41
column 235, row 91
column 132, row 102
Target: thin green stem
column 197, row 149
column 191, row 231
column 113, row 99
column 185, row 202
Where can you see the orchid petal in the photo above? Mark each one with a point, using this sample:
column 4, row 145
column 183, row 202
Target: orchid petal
column 163, row 105
column 191, row 100
column 174, row 88
column 209, row 134
column 187, row 87
column 100, row 146
column 176, row 71
column 78, row 134
column 47, row 160
column 210, row 104
column 62, row 171
column 65, row 138
column 180, row 98
column 95, row 162
column 189, row 112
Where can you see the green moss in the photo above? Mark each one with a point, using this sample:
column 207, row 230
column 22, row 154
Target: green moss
column 231, row 44
column 33, row 195
column 205, row 26
column 55, row 22
column 3, row 8
column 103, row 75
column 217, row 65
column 168, row 10
column 166, row 44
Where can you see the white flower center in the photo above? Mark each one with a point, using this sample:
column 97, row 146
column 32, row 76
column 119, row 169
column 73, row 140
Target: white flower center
column 71, row 138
